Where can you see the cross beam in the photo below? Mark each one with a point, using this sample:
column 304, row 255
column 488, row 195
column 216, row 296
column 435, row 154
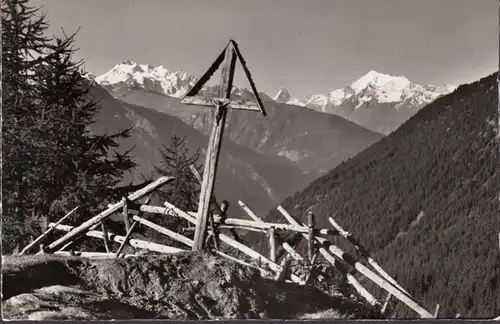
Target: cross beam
column 228, row 61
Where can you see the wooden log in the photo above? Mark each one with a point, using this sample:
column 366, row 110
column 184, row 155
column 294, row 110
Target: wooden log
column 213, row 151
column 291, row 251
column 350, row 278
column 125, row 240
column 231, row 227
column 272, row 244
column 164, row 231
column 214, row 203
column 106, row 213
column 256, row 218
column 227, row 256
column 92, row 255
column 285, row 263
column 379, row 280
column 364, row 252
column 310, row 235
column 436, row 312
column 209, row 102
column 386, row 303
column 125, row 214
column 106, row 241
column 232, row 242
column 48, row 231
column 119, row 239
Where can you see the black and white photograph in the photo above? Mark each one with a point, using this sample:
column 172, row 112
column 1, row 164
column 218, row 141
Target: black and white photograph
column 250, row 160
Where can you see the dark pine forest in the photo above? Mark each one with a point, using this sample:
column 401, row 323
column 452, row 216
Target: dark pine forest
column 443, row 165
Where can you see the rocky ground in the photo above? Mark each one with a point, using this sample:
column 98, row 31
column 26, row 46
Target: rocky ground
column 179, row 286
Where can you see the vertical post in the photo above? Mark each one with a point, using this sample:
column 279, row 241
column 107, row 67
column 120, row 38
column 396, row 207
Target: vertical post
column 272, row 244
column 213, row 150
column 310, row 237
column 125, row 214
column 436, row 312
column 106, row 238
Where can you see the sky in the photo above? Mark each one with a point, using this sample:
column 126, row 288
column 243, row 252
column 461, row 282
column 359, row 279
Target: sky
column 308, row 46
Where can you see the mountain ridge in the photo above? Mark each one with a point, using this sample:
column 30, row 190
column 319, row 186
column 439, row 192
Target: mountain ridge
column 377, row 101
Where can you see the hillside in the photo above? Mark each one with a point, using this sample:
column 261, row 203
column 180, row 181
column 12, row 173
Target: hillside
column 185, row 286
column 243, row 173
column 425, row 201
column 317, row 142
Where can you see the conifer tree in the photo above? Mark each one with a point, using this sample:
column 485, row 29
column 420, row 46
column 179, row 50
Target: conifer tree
column 51, row 159
column 183, row 190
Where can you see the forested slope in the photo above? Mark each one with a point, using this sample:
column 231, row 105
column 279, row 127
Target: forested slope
column 443, row 165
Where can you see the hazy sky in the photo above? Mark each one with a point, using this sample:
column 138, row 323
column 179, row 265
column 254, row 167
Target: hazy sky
column 308, row 46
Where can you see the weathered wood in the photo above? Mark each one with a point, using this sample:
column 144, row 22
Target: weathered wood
column 213, row 150
column 350, row 278
column 272, row 244
column 164, row 231
column 92, row 255
column 108, row 212
column 119, row 239
column 266, row 226
column 386, row 303
column 285, row 263
column 291, row 251
column 227, row 256
column 310, row 235
column 214, row 203
column 211, row 102
column 48, row 231
column 436, row 312
column 198, row 177
column 256, row 218
column 125, row 240
column 379, row 280
column 125, row 214
column 232, row 242
column 232, row 227
column 106, row 241
column 248, row 77
column 364, row 253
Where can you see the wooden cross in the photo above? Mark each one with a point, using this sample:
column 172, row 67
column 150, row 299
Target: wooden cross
column 228, row 58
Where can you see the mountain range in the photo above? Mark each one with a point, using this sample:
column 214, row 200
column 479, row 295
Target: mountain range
column 314, row 141
column 424, row 201
column 376, row 101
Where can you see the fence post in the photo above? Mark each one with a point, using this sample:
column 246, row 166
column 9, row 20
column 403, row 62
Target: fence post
column 125, row 214
column 272, row 244
column 310, row 237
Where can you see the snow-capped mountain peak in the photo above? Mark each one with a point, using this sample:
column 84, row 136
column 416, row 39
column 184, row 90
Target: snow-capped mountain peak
column 282, row 96
column 366, row 100
column 375, row 87
column 152, row 78
column 376, row 80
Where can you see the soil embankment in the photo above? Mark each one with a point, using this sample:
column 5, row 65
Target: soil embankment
column 180, row 286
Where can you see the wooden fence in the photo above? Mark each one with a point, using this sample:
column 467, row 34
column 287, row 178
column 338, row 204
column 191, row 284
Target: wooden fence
column 318, row 242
